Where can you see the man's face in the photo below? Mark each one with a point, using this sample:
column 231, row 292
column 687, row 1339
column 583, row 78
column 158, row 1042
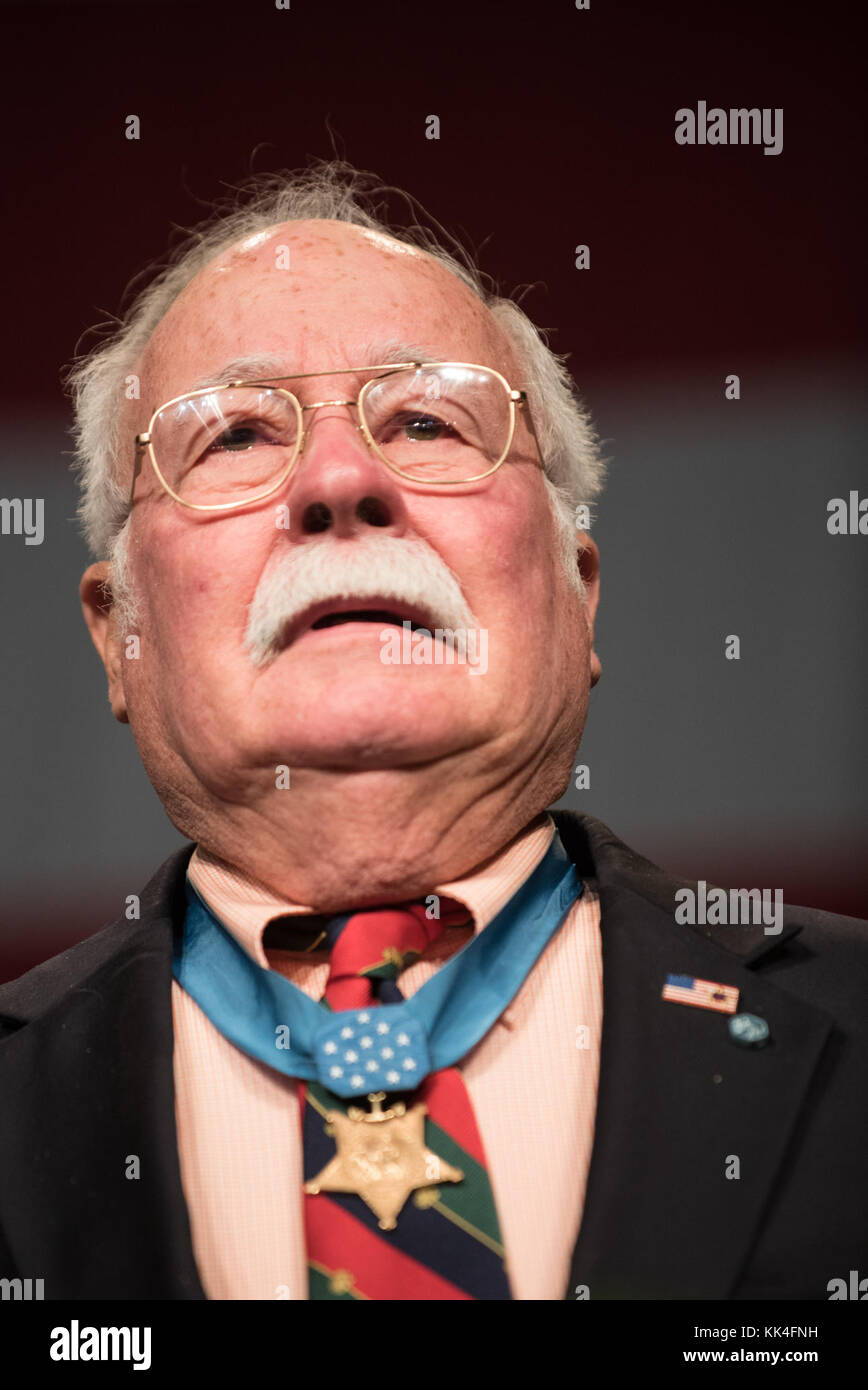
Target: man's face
column 203, row 713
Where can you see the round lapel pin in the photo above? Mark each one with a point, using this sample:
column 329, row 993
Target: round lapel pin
column 749, row 1030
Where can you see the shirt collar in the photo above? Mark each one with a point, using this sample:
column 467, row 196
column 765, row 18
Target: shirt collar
column 245, row 905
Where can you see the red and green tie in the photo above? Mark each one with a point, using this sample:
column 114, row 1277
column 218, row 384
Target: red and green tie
column 447, row 1242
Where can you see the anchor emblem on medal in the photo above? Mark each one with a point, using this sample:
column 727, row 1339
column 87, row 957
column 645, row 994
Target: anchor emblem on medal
column 382, row 1157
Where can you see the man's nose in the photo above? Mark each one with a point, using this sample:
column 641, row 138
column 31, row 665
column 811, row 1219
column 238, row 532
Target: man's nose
column 338, row 483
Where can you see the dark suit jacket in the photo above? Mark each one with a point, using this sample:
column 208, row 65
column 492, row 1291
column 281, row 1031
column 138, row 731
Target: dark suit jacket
column 86, row 1080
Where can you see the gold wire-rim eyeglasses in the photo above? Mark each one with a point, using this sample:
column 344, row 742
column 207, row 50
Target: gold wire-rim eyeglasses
column 144, row 441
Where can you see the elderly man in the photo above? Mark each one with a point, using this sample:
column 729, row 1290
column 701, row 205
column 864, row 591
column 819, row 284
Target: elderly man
column 387, row 1028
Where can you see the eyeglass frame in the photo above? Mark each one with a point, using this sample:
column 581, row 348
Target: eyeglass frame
column 144, row 442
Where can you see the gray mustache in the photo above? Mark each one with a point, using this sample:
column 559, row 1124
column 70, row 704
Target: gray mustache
column 405, row 571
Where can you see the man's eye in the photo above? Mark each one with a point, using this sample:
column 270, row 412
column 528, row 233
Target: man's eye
column 238, row 438
column 421, row 428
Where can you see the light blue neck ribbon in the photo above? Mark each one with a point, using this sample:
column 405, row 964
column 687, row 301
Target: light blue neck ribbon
column 390, row 1047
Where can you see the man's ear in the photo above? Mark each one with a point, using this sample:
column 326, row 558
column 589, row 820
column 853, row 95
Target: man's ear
column 588, row 561
column 99, row 612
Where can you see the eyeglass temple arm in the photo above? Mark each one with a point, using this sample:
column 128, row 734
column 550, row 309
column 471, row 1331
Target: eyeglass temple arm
column 522, row 402
column 141, row 445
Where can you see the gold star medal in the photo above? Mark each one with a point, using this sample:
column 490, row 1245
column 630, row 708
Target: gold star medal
column 381, row 1157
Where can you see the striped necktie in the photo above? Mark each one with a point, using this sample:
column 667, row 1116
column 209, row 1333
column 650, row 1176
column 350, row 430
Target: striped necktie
column 446, row 1243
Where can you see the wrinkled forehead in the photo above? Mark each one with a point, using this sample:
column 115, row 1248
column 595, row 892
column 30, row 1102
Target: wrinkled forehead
column 316, row 295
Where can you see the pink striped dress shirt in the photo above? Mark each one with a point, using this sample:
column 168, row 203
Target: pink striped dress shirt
column 532, row 1081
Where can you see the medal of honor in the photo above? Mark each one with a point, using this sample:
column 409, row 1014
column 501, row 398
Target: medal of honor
column 381, row 1157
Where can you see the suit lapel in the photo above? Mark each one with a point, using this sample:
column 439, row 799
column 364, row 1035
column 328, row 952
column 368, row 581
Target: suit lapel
column 678, row 1100
column 90, row 1084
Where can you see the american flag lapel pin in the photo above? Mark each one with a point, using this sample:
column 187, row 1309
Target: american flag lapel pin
column 703, row 994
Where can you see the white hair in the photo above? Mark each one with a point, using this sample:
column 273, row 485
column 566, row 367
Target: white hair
column 333, row 190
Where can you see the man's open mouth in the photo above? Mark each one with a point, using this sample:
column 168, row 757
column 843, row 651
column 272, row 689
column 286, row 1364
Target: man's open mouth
column 363, row 615
column 334, row 612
